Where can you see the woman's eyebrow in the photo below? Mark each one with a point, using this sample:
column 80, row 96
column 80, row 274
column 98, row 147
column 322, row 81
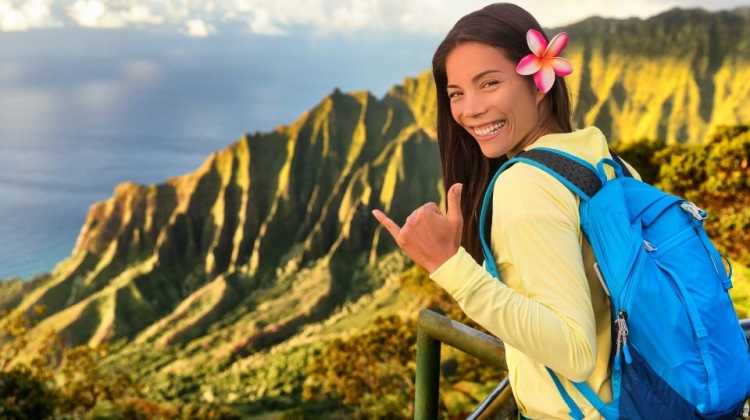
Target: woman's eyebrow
column 475, row 78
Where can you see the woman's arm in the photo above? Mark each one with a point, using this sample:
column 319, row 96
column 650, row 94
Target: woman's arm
column 548, row 313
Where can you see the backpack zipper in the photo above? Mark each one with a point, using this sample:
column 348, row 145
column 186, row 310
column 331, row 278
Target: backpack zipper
column 622, row 336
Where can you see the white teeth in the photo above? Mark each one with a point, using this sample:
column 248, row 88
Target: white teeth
column 489, row 128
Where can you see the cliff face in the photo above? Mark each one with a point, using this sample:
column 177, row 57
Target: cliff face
column 272, row 233
column 165, row 261
column 675, row 76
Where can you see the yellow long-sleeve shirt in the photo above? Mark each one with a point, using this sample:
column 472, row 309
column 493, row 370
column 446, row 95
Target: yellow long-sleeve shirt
column 550, row 308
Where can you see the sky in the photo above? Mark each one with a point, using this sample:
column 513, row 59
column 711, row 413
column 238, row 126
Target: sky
column 312, row 17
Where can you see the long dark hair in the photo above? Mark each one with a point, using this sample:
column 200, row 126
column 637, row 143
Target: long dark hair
column 501, row 25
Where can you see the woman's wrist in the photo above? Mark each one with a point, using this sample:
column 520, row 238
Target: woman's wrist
column 436, row 267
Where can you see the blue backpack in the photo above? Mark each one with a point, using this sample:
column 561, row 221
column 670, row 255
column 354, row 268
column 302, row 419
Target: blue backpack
column 678, row 351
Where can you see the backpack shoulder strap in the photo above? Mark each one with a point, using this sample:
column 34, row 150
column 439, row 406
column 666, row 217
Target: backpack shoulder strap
column 570, row 169
column 575, row 173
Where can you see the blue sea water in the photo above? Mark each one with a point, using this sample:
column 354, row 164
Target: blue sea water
column 82, row 110
column 46, row 189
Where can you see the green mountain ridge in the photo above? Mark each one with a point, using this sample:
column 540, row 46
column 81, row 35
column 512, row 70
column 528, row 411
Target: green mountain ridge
column 177, row 253
column 269, row 247
column 675, row 76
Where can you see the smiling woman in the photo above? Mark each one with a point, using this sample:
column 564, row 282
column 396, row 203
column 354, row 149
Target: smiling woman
column 500, row 92
column 543, row 290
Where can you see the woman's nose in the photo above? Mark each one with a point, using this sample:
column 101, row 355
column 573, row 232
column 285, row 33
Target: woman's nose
column 474, row 106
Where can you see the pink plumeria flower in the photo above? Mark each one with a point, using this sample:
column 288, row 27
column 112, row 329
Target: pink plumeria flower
column 543, row 62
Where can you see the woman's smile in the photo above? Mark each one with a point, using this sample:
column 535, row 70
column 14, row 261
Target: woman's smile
column 485, row 132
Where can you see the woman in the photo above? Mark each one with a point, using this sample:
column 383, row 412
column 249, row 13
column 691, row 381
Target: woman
column 550, row 309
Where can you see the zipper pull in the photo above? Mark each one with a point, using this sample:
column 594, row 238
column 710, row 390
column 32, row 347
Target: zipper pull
column 698, row 213
column 622, row 336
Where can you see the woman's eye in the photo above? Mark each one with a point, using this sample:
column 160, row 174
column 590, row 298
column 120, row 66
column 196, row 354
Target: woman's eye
column 490, row 83
column 452, row 95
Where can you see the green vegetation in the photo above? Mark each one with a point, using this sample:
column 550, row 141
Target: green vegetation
column 77, row 383
column 372, row 372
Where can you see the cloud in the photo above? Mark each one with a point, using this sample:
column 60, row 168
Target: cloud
column 12, row 19
column 140, row 13
column 96, row 14
column 262, row 23
column 282, row 17
column 91, row 14
column 198, row 28
column 15, row 16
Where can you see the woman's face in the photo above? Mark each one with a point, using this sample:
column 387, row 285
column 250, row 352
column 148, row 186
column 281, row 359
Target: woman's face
column 496, row 105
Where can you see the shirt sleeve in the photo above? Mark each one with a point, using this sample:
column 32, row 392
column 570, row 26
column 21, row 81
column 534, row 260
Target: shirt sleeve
column 535, row 236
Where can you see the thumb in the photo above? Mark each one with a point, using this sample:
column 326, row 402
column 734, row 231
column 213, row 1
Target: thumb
column 454, row 202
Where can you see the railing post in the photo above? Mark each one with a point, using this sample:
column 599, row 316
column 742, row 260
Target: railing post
column 428, row 376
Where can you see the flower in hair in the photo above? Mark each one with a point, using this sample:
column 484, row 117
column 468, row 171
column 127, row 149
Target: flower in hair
column 543, row 62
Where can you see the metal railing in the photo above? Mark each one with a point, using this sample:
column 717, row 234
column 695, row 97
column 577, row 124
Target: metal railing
column 434, row 329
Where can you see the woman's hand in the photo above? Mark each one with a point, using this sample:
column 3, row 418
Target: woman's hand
column 429, row 237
